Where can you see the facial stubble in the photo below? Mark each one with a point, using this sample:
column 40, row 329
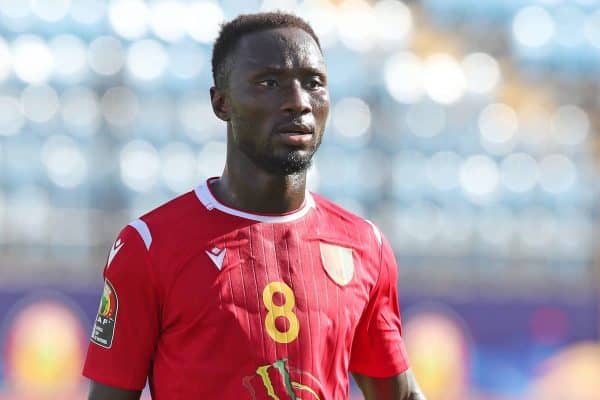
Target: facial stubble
column 294, row 161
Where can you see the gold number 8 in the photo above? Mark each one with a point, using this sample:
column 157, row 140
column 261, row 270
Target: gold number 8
column 285, row 310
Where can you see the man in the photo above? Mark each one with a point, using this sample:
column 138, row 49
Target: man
column 249, row 287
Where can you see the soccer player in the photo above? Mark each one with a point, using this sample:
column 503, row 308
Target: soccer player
column 249, row 286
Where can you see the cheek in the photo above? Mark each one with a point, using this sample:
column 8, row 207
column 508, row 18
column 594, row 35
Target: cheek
column 246, row 115
column 251, row 108
column 321, row 108
column 250, row 124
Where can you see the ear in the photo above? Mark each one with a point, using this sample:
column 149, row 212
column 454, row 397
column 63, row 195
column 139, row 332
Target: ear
column 220, row 104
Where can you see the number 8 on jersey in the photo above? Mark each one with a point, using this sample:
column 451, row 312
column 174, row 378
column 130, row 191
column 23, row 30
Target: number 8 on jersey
column 285, row 311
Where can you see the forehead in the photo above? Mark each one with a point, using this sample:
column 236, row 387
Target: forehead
column 282, row 47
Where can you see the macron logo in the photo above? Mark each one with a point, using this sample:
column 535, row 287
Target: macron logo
column 217, row 256
column 114, row 250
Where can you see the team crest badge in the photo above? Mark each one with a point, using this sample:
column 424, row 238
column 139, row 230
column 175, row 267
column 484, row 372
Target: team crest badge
column 104, row 327
column 338, row 263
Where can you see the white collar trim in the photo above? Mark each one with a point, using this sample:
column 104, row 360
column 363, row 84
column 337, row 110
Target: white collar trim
column 210, row 202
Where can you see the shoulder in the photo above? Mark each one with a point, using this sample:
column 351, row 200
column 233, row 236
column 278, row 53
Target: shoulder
column 347, row 221
column 173, row 212
column 171, row 222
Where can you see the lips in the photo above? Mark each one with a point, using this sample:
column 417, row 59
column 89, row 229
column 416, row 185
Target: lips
column 296, row 135
column 296, row 129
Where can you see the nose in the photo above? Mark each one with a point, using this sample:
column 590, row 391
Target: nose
column 296, row 100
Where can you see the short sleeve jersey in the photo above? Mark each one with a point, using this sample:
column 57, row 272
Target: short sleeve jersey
column 210, row 302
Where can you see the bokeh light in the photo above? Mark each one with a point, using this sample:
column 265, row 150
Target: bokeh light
column 106, row 55
column 519, row 172
column 80, row 110
column 482, row 72
column 321, row 14
column 5, row 60
column 33, row 60
column 356, row 25
column 186, row 61
column 203, row 20
column 45, row 350
column 211, row 159
column 444, row 79
column 351, row 117
column 197, row 118
column 570, row 125
column 426, row 119
column 119, row 106
column 65, row 162
column 533, row 26
column 179, row 167
column 14, row 9
column 479, row 177
column 166, row 18
column 70, row 56
column 592, row 29
column 283, row 5
column 404, row 77
column 11, row 116
column 534, row 125
column 88, row 12
column 147, row 60
column 569, row 32
column 443, row 170
column 557, row 173
column 129, row 18
column 140, row 165
column 498, row 124
column 39, row 103
column 50, row 10
column 572, row 372
column 439, row 354
column 394, row 24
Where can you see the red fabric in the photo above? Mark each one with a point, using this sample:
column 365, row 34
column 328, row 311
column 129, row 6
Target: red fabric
column 378, row 350
column 199, row 332
column 127, row 363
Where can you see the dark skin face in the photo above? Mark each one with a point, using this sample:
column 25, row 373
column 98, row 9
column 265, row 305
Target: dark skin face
column 276, row 105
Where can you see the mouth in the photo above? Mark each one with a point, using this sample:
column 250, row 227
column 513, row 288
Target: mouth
column 296, row 130
column 296, row 134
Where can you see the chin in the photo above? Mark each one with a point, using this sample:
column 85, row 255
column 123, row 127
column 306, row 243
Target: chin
column 296, row 162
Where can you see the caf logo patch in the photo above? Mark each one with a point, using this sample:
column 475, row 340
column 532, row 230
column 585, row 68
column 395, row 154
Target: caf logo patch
column 104, row 327
column 337, row 262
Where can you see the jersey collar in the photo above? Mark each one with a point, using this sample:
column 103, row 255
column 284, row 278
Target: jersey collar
column 209, row 201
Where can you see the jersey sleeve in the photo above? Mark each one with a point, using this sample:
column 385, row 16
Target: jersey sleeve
column 126, row 328
column 378, row 349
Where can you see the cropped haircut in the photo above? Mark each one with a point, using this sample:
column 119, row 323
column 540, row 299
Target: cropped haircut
column 231, row 33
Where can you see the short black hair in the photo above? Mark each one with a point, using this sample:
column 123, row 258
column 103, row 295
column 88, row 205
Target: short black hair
column 232, row 31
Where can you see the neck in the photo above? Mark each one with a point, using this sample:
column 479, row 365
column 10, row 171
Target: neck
column 243, row 185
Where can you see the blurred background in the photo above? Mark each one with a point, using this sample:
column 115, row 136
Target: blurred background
column 467, row 130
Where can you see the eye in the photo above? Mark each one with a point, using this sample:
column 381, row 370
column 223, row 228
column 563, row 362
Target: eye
column 314, row 83
column 270, row 83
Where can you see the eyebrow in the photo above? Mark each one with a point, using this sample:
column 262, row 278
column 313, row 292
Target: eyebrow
column 271, row 69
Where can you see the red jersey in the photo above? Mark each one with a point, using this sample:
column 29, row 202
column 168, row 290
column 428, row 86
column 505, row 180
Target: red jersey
column 210, row 302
